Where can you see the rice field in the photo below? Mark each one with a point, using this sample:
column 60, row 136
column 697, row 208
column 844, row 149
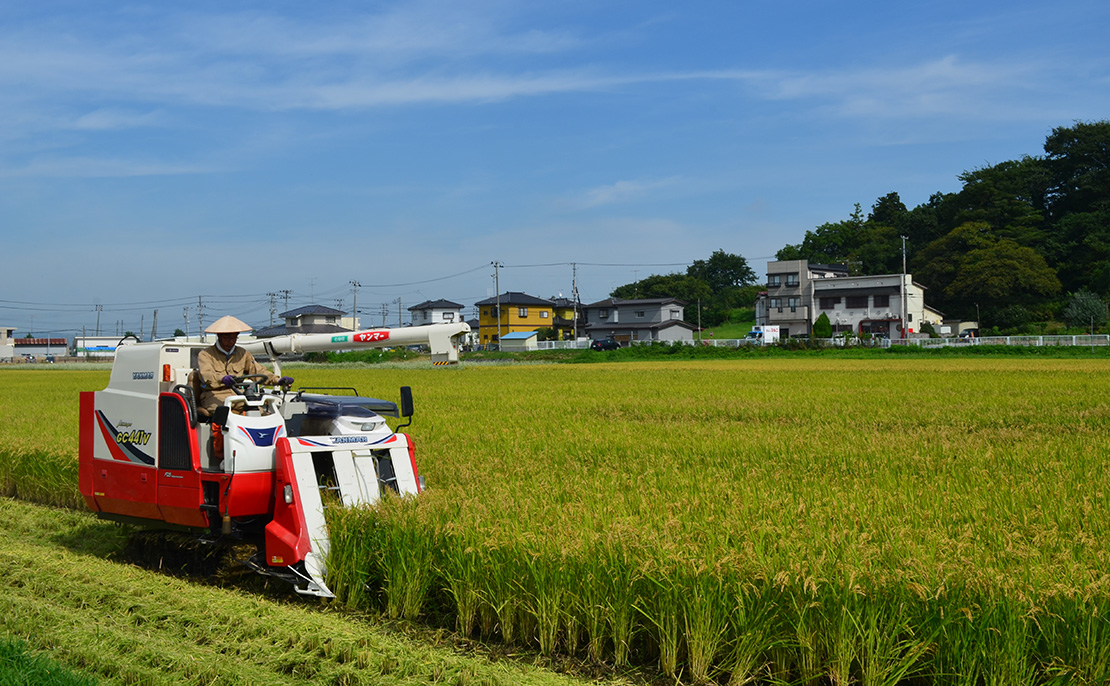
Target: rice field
column 804, row 521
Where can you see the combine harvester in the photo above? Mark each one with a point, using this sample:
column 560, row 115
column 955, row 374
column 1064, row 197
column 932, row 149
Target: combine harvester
column 147, row 458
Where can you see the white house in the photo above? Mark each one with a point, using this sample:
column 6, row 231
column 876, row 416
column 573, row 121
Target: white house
column 436, row 312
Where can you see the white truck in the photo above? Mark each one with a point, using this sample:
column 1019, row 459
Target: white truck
column 763, row 335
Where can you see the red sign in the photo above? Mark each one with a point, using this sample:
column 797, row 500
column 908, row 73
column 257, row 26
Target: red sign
column 371, row 336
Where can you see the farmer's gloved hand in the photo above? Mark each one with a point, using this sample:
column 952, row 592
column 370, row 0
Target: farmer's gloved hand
column 228, row 381
column 285, row 381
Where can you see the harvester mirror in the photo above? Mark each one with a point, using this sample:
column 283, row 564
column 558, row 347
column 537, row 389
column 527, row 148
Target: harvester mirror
column 406, row 401
column 219, row 417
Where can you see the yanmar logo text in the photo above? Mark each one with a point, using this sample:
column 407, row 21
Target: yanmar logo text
column 371, row 336
column 348, row 439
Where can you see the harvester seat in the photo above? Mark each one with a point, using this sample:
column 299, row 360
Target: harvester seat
column 203, row 415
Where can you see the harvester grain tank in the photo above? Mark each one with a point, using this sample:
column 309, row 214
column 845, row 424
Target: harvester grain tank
column 147, row 457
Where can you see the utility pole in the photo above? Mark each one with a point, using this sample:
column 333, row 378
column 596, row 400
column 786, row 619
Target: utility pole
column 154, row 327
column 574, row 294
column 354, row 308
column 200, row 319
column 398, row 301
column 142, row 325
column 286, row 293
column 272, row 310
column 905, row 295
column 497, row 295
column 186, row 324
column 99, row 309
column 385, row 313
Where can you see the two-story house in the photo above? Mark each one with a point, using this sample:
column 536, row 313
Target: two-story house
column 512, row 312
column 436, row 312
column 890, row 305
column 307, row 319
column 647, row 319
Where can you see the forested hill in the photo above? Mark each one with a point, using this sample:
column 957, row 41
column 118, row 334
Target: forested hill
column 1015, row 240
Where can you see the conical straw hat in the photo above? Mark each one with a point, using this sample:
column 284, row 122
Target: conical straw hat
column 227, row 324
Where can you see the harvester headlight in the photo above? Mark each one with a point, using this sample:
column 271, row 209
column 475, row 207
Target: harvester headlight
column 288, row 493
column 368, row 426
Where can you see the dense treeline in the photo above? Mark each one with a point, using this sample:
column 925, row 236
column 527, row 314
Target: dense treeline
column 1010, row 246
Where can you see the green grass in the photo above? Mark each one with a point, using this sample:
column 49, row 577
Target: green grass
column 18, row 667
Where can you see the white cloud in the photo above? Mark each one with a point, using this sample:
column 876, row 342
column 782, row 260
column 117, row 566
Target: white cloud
column 108, row 119
column 619, row 192
column 89, row 167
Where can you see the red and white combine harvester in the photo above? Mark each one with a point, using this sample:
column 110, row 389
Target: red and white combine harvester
column 146, row 457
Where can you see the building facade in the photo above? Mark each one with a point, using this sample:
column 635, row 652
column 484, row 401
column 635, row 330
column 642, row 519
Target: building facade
column 7, row 345
column 307, row 319
column 436, row 312
column 512, row 312
column 628, row 321
column 798, row 293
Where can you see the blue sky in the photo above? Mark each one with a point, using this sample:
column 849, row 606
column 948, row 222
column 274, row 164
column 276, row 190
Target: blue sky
column 153, row 154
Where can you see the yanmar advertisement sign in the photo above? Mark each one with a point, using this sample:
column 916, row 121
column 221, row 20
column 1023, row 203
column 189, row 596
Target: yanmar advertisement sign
column 371, row 336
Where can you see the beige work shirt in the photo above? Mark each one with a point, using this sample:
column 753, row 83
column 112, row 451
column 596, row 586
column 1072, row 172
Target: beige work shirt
column 214, row 364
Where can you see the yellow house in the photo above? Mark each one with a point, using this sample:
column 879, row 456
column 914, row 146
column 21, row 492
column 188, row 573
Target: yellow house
column 518, row 312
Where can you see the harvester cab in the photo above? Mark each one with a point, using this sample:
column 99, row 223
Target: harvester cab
column 148, row 458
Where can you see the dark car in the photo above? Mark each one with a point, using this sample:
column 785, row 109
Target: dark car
column 604, row 344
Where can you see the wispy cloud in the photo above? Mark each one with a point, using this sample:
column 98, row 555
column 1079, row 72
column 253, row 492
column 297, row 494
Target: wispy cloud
column 93, row 167
column 619, row 193
column 944, row 86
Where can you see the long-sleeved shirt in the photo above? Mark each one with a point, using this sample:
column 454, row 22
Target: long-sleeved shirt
column 213, row 364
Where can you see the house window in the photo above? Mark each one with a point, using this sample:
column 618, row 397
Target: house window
column 829, row 303
column 639, row 314
column 448, row 316
column 882, row 300
column 329, row 320
column 543, row 314
column 793, row 303
column 776, row 304
column 774, row 280
column 523, row 312
column 674, row 314
column 855, row 302
column 603, row 314
column 792, row 280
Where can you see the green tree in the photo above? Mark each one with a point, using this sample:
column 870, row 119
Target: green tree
column 1078, row 159
column 1085, row 309
column 822, row 328
column 723, row 271
column 971, row 266
column 1003, row 274
column 830, row 243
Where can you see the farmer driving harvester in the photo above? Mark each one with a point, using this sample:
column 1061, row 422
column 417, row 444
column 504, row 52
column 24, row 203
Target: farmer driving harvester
column 219, row 365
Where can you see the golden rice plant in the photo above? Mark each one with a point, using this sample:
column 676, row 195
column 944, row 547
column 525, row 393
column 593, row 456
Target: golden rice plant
column 803, row 520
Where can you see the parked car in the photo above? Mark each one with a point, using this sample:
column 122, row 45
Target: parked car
column 604, row 344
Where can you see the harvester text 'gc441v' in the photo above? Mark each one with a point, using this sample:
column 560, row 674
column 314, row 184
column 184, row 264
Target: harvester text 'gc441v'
column 147, row 458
